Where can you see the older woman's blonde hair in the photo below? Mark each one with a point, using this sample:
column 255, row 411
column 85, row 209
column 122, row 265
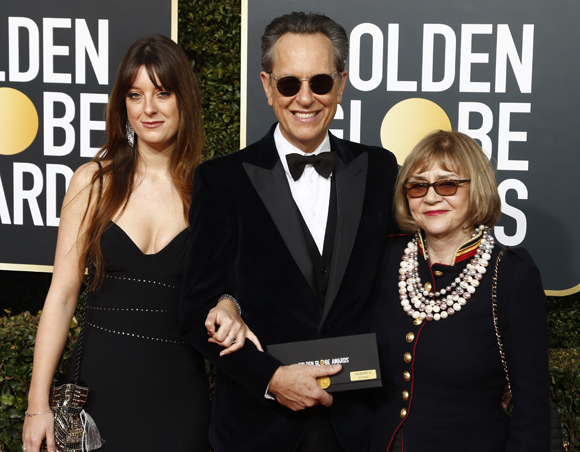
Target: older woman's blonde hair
column 458, row 153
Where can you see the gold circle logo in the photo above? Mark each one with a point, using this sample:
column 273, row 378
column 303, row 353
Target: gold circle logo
column 18, row 121
column 408, row 122
column 324, row 382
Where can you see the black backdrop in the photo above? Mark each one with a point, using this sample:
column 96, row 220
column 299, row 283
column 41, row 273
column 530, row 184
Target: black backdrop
column 42, row 47
column 536, row 145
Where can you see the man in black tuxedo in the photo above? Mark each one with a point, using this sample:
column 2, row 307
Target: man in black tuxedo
column 296, row 242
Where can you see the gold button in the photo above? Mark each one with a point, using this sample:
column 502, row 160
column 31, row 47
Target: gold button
column 417, row 321
column 403, row 413
column 410, row 337
column 438, row 273
column 427, row 287
column 405, row 395
column 407, row 357
column 406, row 376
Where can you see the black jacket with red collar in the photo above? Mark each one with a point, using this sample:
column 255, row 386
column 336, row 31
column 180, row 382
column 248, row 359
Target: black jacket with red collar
column 443, row 380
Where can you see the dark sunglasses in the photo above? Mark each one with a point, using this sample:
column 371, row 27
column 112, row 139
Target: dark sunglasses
column 445, row 187
column 290, row 85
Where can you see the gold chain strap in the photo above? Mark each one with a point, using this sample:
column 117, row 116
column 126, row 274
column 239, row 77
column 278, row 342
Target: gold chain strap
column 494, row 309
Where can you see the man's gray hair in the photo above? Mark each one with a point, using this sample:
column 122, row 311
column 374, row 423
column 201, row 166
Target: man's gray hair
column 303, row 23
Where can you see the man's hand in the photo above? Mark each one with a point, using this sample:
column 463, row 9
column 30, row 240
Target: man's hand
column 296, row 387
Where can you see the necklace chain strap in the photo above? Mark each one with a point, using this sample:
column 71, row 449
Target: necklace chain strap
column 420, row 302
column 495, row 311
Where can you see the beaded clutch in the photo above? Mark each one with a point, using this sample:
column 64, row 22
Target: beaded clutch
column 74, row 429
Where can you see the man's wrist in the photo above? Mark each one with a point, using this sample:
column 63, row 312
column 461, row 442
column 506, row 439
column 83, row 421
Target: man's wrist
column 270, row 395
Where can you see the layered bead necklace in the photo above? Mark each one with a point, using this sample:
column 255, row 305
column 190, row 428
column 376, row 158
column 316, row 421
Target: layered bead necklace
column 421, row 303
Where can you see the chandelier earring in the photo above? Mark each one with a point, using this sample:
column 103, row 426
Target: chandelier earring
column 130, row 134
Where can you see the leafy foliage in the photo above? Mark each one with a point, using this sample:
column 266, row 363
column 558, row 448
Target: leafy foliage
column 17, row 338
column 210, row 34
column 565, row 390
column 564, row 322
column 564, row 343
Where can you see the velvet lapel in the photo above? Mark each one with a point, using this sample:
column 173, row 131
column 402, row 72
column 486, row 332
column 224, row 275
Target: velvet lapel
column 272, row 187
column 351, row 177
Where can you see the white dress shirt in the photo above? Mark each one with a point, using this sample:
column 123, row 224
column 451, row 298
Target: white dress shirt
column 312, row 191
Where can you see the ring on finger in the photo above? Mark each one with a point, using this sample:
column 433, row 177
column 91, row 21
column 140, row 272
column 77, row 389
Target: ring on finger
column 233, row 339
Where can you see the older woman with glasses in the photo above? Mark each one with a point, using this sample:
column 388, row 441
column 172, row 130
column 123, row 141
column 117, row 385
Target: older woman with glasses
column 447, row 346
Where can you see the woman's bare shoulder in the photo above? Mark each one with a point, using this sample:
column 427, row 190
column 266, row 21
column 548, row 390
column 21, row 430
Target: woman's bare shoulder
column 85, row 173
column 81, row 183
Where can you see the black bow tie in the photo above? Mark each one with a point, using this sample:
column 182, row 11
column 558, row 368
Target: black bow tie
column 323, row 163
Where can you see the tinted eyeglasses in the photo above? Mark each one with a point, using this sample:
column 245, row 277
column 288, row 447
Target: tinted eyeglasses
column 444, row 187
column 289, row 85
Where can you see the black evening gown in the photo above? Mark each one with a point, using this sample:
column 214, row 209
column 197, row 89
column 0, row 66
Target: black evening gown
column 148, row 388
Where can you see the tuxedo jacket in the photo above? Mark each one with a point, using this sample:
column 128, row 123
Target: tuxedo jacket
column 247, row 241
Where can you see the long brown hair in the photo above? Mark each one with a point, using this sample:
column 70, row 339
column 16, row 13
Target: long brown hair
column 168, row 68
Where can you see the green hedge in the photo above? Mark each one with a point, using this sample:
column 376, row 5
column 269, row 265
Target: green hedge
column 564, row 343
column 563, row 322
column 16, row 350
column 17, row 337
column 210, row 34
column 565, row 390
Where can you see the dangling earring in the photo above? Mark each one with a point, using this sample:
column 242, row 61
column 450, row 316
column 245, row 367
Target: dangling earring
column 130, row 134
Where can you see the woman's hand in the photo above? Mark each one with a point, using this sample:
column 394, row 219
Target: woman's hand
column 36, row 428
column 227, row 329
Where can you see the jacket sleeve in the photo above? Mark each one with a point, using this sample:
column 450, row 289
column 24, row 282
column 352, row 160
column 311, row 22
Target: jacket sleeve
column 523, row 323
column 209, row 273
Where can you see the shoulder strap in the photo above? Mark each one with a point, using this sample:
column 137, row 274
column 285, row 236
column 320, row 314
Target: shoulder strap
column 495, row 312
column 88, row 283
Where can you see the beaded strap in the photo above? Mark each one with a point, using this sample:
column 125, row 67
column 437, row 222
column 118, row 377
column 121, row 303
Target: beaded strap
column 495, row 311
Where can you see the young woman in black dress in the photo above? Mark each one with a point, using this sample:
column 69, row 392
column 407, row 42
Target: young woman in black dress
column 126, row 213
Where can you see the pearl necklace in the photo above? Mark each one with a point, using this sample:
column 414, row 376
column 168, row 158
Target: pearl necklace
column 418, row 302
